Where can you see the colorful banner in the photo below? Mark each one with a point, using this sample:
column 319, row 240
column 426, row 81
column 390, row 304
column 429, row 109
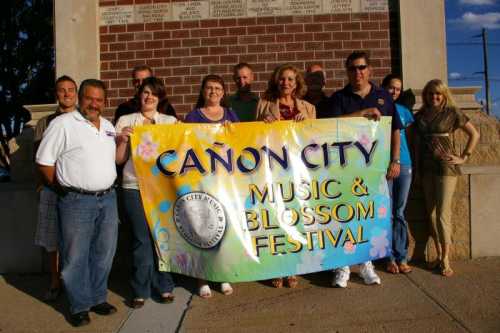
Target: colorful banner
column 253, row 201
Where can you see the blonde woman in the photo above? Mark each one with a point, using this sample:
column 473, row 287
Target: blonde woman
column 282, row 101
column 436, row 121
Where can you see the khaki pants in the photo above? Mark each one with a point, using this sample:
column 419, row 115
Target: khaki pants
column 438, row 195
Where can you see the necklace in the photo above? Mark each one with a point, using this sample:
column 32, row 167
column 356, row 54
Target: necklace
column 213, row 113
column 150, row 119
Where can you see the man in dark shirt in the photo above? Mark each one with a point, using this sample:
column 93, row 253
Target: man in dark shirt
column 362, row 98
column 315, row 81
column 244, row 101
column 139, row 73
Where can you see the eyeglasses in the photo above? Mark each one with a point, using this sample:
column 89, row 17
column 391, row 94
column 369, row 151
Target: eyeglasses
column 208, row 88
column 353, row 68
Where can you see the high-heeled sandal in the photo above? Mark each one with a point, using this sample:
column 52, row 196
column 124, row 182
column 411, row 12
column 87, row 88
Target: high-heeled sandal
column 446, row 270
column 137, row 303
column 404, row 268
column 167, row 298
column 277, row 283
column 392, row 267
column 292, row 281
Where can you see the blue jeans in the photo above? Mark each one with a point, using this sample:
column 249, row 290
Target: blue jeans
column 399, row 189
column 4, row 172
column 88, row 236
column 145, row 275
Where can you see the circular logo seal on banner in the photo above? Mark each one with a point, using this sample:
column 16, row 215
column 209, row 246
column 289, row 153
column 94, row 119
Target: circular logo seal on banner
column 200, row 219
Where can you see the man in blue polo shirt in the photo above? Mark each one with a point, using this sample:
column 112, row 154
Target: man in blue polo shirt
column 362, row 98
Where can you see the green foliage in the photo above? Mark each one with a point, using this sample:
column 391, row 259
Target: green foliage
column 26, row 51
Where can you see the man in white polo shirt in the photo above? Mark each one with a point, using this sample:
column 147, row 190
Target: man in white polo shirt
column 77, row 158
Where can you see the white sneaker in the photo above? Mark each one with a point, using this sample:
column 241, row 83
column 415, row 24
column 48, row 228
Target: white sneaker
column 341, row 277
column 368, row 274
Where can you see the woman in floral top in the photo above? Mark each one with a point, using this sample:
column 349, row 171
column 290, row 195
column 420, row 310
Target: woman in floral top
column 436, row 121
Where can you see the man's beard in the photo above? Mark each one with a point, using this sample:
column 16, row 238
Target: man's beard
column 245, row 89
column 91, row 113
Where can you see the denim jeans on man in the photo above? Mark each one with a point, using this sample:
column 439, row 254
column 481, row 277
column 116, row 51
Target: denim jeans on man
column 146, row 276
column 399, row 189
column 88, row 236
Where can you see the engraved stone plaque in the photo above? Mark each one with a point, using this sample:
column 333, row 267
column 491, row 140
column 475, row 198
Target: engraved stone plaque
column 374, row 5
column 264, row 7
column 158, row 12
column 117, row 15
column 227, row 8
column 206, row 9
column 301, row 7
column 190, row 10
column 341, row 6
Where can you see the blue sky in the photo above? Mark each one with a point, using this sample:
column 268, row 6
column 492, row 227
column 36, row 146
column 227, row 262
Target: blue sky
column 464, row 20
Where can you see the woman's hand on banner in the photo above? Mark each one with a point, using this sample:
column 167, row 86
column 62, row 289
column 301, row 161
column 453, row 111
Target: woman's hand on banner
column 124, row 136
column 299, row 117
column 269, row 118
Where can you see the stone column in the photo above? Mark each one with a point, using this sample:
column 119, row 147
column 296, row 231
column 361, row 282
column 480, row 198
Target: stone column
column 77, row 38
column 423, row 42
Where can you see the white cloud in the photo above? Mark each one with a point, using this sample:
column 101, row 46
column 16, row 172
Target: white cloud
column 454, row 75
column 477, row 2
column 473, row 21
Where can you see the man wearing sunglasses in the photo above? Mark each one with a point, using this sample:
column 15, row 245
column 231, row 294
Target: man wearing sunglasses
column 362, row 98
column 139, row 73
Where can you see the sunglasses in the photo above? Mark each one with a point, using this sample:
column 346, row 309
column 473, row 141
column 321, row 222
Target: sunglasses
column 353, row 68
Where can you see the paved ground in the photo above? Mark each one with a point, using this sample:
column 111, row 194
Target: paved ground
column 420, row 301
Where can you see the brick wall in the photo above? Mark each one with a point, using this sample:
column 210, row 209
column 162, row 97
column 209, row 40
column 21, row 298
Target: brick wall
column 183, row 52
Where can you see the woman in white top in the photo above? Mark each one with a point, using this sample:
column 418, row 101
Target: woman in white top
column 145, row 277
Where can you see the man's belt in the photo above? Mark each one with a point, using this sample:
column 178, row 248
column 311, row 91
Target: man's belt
column 68, row 189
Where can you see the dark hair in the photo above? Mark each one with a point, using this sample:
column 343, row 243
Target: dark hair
column 211, row 78
column 241, row 65
column 272, row 93
column 66, row 78
column 357, row 55
column 91, row 83
column 156, row 85
column 387, row 80
column 141, row 68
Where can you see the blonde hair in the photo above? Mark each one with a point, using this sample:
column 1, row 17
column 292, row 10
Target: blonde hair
column 440, row 87
column 273, row 93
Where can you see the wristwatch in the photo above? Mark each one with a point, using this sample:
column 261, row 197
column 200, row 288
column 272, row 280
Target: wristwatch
column 397, row 161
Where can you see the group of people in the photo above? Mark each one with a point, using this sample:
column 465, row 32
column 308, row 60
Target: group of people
column 78, row 151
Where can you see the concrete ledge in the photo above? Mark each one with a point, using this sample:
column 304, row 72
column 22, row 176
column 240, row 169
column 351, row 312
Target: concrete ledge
column 484, row 227
column 480, row 170
column 17, row 230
